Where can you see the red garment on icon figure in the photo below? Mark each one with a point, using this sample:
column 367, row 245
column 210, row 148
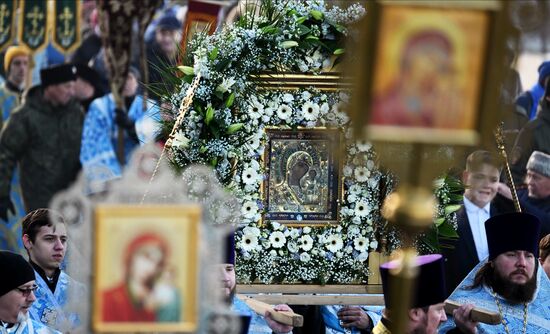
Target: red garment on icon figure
column 118, row 307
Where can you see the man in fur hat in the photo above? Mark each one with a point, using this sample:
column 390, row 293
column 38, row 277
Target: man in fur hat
column 536, row 198
column 509, row 282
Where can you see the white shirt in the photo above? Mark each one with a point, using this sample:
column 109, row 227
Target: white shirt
column 477, row 217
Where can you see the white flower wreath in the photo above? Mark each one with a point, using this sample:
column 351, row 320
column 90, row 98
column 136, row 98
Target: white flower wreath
column 225, row 129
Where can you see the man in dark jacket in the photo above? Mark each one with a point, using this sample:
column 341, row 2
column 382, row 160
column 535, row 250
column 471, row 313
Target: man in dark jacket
column 161, row 54
column 534, row 136
column 43, row 137
column 536, row 198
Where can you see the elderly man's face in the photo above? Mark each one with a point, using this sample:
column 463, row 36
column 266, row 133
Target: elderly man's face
column 538, row 185
column 17, row 301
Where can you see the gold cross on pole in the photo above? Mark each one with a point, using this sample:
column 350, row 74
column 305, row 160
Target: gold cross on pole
column 35, row 16
column 66, row 18
column 4, row 14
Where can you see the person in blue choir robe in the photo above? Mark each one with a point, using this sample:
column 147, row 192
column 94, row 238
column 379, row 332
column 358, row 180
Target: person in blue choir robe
column 17, row 294
column 16, row 65
column 258, row 324
column 427, row 309
column 98, row 153
column 45, row 238
column 509, row 282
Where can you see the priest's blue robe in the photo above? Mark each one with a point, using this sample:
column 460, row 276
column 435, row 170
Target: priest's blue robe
column 100, row 136
column 538, row 319
column 29, row 326
column 50, row 308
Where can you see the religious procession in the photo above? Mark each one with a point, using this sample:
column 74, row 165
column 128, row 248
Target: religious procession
column 274, row 166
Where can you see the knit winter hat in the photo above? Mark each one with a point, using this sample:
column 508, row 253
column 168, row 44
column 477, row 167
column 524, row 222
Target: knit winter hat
column 16, row 271
column 12, row 52
column 539, row 162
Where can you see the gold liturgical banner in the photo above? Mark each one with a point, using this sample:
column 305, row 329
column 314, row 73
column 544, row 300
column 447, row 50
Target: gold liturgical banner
column 66, row 25
column 33, row 27
column 7, row 23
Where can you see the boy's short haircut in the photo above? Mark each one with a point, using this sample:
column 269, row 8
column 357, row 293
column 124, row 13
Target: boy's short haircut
column 34, row 220
column 478, row 158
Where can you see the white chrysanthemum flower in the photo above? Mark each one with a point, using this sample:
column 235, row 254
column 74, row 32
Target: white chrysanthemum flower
column 353, row 230
column 252, row 230
column 292, row 247
column 294, row 233
column 324, row 108
column 249, row 242
column 347, row 171
column 361, row 244
column 284, row 112
column 373, row 182
column 306, row 95
column 374, row 244
column 363, row 145
column 273, row 252
column 253, row 142
column 180, row 141
column 310, row 111
column 362, row 257
column 306, row 242
column 304, row 257
column 250, row 176
column 287, row 98
column 277, row 239
column 334, row 243
column 370, row 164
column 249, row 210
column 255, row 109
column 361, row 209
column 306, row 229
column 276, row 226
column 362, row 174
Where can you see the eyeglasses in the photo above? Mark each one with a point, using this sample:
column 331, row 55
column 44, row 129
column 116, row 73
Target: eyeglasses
column 26, row 292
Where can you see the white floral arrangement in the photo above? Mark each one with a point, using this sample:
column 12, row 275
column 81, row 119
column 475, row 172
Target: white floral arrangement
column 224, row 128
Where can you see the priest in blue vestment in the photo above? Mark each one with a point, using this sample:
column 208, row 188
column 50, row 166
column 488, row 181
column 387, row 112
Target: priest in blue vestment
column 508, row 282
column 17, row 294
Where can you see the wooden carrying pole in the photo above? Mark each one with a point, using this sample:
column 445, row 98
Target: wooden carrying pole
column 478, row 314
column 285, row 317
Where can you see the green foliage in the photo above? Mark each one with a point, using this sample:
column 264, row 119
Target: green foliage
column 449, row 192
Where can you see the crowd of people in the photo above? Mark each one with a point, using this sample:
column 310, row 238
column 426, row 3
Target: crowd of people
column 69, row 122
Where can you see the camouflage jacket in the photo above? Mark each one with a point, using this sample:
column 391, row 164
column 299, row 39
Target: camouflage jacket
column 45, row 140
